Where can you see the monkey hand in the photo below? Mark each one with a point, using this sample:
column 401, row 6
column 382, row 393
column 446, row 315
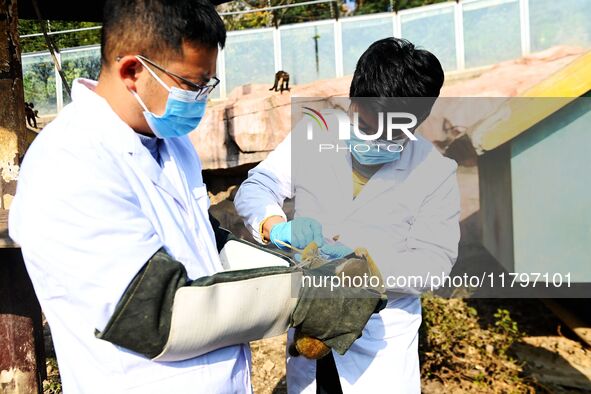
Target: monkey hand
column 312, row 348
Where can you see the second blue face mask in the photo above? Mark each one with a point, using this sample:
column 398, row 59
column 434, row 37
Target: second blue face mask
column 183, row 113
column 373, row 153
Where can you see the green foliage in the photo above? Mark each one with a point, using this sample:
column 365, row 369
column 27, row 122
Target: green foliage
column 38, row 71
column 454, row 347
column 306, row 13
column 62, row 41
column 87, row 66
column 273, row 17
column 507, row 329
column 404, row 4
column 374, row 6
column 53, row 384
column 39, row 85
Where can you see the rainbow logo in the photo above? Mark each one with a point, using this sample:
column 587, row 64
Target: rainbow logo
column 317, row 117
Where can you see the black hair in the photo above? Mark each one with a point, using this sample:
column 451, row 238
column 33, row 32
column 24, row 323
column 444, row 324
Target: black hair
column 398, row 76
column 394, row 67
column 157, row 28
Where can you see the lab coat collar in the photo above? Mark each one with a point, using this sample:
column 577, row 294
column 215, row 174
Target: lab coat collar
column 119, row 137
column 405, row 156
column 386, row 178
column 114, row 131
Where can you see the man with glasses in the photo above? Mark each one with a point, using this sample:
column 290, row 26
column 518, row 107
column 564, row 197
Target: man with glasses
column 396, row 196
column 202, row 90
column 111, row 214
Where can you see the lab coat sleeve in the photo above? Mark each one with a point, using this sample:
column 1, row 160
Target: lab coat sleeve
column 81, row 230
column 268, row 184
column 183, row 319
column 431, row 247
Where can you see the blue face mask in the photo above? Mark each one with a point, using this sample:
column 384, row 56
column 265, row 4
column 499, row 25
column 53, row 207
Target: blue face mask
column 371, row 153
column 183, row 113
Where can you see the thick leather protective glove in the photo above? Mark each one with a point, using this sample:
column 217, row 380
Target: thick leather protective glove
column 333, row 317
column 165, row 316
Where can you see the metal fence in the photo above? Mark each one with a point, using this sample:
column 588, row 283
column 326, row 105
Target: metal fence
column 467, row 34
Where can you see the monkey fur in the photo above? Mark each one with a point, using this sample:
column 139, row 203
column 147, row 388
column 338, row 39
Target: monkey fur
column 282, row 76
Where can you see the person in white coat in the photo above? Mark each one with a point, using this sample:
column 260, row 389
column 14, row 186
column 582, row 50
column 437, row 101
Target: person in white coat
column 111, row 214
column 402, row 205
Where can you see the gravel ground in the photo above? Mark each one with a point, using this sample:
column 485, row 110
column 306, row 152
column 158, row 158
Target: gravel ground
column 268, row 371
column 554, row 360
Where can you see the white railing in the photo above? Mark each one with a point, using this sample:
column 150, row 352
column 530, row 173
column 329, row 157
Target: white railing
column 464, row 34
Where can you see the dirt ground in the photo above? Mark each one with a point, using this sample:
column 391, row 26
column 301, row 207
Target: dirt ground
column 552, row 358
column 268, row 370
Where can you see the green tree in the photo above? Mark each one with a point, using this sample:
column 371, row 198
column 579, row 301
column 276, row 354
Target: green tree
column 304, row 13
column 272, row 17
column 62, row 41
column 38, row 71
column 375, row 6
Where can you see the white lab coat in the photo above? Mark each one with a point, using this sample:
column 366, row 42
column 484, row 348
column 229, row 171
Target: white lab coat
column 92, row 206
column 407, row 216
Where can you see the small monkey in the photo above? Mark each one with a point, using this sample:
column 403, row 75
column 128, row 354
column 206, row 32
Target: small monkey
column 282, row 76
column 31, row 114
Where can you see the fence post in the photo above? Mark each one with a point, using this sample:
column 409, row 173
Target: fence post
column 59, row 88
column 397, row 25
column 525, row 27
column 459, row 33
column 221, row 72
column 277, row 49
column 338, row 48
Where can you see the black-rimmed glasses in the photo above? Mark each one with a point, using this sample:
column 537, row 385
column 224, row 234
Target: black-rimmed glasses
column 203, row 90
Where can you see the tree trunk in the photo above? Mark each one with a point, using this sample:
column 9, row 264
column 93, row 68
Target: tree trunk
column 12, row 112
column 20, row 315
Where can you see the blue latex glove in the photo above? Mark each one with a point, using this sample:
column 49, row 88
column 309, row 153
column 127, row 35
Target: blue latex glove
column 335, row 251
column 330, row 252
column 298, row 232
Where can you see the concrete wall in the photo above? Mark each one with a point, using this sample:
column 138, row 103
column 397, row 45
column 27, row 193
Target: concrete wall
column 535, row 196
column 551, row 193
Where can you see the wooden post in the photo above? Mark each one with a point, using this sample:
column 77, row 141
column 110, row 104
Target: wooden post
column 21, row 339
column 22, row 361
column 12, row 111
